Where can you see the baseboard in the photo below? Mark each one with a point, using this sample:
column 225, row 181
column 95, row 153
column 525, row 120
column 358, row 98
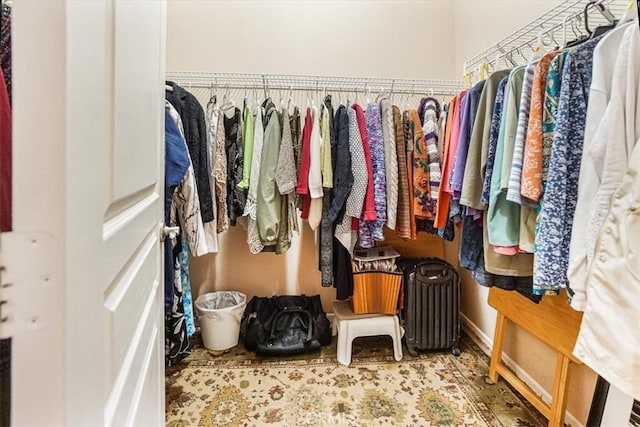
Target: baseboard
column 486, row 344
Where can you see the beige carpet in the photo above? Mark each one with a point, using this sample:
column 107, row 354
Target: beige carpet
column 433, row 389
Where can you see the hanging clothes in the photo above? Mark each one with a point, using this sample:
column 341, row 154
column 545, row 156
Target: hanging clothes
column 269, row 202
column 5, row 158
column 185, row 278
column 236, row 197
column 403, row 211
column 371, row 231
column 253, row 236
column 503, row 216
column 449, row 147
column 494, row 134
column 431, row 141
column 609, row 339
column 459, row 132
column 413, row 134
column 328, row 137
column 612, row 124
column 390, row 161
column 474, row 233
column 550, row 112
column 343, row 176
column 448, row 207
column 355, row 200
column 5, row 49
column 286, row 180
column 369, row 208
column 192, row 114
column 515, row 174
column 477, row 154
column 560, row 197
column 220, row 175
column 185, row 213
column 315, row 171
column 248, row 127
column 464, row 137
column 185, row 205
column 343, row 181
column 296, row 138
column 6, row 218
column 211, row 228
column 302, row 188
column 531, row 185
column 176, row 165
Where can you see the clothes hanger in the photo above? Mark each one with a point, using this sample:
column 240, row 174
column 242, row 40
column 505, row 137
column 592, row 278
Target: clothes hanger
column 630, row 13
column 524, row 58
column 381, row 95
column 409, row 96
column 605, row 12
column 324, row 97
column 227, row 103
column 542, row 45
column 213, row 98
column 555, row 44
column 402, row 99
column 290, row 101
column 577, row 32
column 564, row 30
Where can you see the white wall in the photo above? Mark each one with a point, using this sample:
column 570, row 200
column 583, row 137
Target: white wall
column 343, row 38
column 481, row 23
column 405, row 39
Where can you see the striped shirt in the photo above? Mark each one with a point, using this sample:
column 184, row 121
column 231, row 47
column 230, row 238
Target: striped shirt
column 513, row 192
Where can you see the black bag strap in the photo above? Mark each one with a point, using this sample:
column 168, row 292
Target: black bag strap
column 287, row 311
column 286, row 302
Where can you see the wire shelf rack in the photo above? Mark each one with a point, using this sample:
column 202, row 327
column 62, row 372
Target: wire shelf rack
column 562, row 23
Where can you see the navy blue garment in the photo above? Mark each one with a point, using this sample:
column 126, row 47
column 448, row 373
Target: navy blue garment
column 176, row 163
column 470, row 243
column 494, row 134
column 472, row 258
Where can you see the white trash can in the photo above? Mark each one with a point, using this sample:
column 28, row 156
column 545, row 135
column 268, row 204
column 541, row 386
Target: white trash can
column 219, row 315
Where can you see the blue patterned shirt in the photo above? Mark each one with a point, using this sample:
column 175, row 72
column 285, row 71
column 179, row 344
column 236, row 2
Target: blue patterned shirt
column 561, row 192
column 496, row 120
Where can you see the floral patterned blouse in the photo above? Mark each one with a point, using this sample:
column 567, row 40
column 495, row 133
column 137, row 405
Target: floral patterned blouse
column 561, row 192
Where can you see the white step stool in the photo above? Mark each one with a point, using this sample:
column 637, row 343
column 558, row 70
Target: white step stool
column 351, row 326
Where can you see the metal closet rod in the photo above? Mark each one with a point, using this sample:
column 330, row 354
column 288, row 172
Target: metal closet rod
column 523, row 39
column 291, row 82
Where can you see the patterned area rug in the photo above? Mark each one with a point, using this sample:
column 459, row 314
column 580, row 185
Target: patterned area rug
column 239, row 389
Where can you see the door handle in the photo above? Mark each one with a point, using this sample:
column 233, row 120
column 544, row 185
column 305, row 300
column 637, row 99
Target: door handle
column 172, row 232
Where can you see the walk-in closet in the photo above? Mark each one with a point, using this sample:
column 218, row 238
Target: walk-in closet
column 319, row 213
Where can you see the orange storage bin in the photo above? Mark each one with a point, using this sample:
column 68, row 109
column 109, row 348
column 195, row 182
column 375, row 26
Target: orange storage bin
column 376, row 292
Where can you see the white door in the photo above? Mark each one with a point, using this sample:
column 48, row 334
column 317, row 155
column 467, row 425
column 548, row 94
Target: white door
column 83, row 267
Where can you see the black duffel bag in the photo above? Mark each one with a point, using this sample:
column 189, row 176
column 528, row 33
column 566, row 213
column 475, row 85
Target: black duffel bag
column 282, row 325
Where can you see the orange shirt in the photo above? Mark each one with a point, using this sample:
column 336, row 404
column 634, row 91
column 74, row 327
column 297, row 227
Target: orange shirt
column 531, row 184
